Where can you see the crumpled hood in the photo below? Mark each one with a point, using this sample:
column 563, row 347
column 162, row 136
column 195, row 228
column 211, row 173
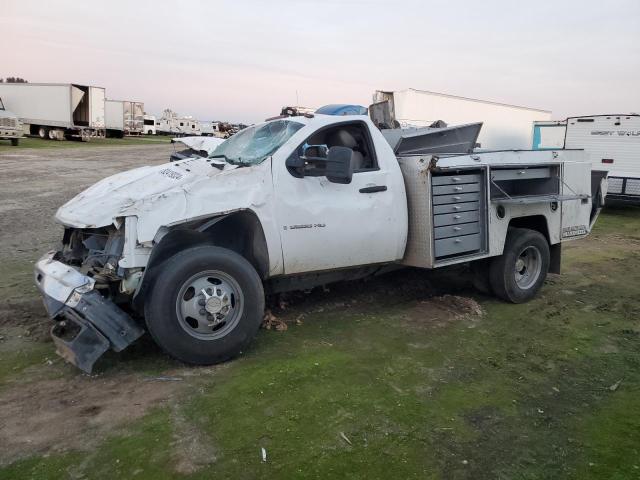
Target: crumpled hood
column 116, row 196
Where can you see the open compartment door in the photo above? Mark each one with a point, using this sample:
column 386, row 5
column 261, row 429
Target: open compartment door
column 598, row 194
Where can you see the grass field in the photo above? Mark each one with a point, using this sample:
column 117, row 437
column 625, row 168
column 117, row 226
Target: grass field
column 379, row 380
column 30, row 142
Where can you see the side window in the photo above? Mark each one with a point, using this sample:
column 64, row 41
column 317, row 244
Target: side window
column 351, row 135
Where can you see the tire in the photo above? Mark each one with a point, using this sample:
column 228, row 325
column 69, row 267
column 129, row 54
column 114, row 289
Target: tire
column 189, row 336
column 43, row 133
column 14, row 142
column 518, row 274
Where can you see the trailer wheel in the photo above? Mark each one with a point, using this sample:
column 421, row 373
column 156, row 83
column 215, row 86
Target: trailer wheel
column 517, row 275
column 14, row 142
column 43, row 132
column 205, row 306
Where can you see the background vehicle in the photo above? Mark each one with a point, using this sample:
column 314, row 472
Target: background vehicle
column 292, row 203
column 149, row 124
column 114, row 118
column 133, row 118
column 10, row 126
column 613, row 142
column 57, row 110
column 504, row 126
column 171, row 124
column 549, row 135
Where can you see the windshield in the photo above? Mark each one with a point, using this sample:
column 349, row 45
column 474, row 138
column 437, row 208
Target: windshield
column 253, row 144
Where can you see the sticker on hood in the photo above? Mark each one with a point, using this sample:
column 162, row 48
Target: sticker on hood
column 167, row 172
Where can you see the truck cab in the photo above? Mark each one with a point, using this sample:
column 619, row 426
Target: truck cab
column 191, row 248
column 10, row 126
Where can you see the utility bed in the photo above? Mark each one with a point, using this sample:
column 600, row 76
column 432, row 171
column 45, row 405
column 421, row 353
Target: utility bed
column 460, row 206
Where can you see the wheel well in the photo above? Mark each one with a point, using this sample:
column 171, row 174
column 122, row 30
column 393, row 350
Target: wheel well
column 534, row 222
column 240, row 231
column 539, row 224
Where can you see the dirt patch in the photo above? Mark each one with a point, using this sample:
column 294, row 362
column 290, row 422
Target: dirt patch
column 191, row 448
column 74, row 413
column 439, row 311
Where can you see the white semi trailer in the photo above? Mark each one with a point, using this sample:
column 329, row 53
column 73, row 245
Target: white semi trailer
column 133, row 118
column 503, row 126
column 57, row 110
column 188, row 249
column 613, row 143
column 114, row 118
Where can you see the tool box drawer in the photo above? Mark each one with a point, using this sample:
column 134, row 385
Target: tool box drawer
column 455, row 179
column 455, row 218
column 453, row 245
column 456, row 230
column 458, row 198
column 520, row 173
column 456, row 189
column 455, row 207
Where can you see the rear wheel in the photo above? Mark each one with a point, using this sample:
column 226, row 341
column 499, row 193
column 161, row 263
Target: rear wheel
column 14, row 142
column 43, row 132
column 518, row 274
column 206, row 305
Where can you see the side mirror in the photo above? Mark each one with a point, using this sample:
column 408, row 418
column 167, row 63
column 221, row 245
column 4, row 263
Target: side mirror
column 339, row 167
column 295, row 165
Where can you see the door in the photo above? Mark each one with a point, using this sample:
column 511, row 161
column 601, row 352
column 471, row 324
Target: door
column 324, row 225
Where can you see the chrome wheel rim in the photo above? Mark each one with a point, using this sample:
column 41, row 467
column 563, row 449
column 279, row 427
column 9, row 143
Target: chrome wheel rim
column 209, row 305
column 528, row 267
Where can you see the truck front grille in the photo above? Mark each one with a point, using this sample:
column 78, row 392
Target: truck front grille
column 8, row 123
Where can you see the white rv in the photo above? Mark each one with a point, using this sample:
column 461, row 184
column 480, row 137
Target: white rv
column 613, row 142
column 171, row 124
column 149, row 124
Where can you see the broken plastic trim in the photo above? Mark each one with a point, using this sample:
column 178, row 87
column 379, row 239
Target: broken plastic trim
column 82, row 334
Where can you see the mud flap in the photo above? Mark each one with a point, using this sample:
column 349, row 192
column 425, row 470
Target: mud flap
column 83, row 333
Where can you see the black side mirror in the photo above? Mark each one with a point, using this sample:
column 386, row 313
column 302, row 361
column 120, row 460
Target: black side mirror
column 339, row 167
column 295, row 164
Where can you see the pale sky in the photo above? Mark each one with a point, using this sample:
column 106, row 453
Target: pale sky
column 244, row 60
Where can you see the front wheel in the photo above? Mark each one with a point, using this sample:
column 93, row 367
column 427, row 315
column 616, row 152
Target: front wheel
column 518, row 274
column 205, row 306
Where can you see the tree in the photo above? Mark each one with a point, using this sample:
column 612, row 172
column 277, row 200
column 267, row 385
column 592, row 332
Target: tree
column 14, row 80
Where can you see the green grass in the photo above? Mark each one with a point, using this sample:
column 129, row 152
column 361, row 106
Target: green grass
column 523, row 393
column 29, row 142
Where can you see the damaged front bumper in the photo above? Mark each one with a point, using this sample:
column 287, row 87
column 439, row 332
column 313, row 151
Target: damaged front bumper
column 86, row 323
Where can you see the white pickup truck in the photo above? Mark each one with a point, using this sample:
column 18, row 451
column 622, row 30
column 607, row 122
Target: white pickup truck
column 187, row 250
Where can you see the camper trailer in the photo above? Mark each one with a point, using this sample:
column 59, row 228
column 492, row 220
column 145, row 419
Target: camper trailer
column 613, row 143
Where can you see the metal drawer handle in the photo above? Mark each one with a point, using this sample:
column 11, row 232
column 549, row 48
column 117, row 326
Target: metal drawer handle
column 457, row 207
column 457, row 217
column 456, row 179
column 457, row 240
column 522, row 172
column 457, row 229
column 457, row 189
column 456, row 198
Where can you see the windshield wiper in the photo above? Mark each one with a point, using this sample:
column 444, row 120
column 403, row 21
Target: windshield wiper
column 230, row 161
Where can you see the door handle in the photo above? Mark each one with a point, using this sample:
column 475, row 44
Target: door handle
column 377, row 188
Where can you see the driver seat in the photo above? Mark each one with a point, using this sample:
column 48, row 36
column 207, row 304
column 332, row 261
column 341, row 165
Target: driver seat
column 342, row 138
